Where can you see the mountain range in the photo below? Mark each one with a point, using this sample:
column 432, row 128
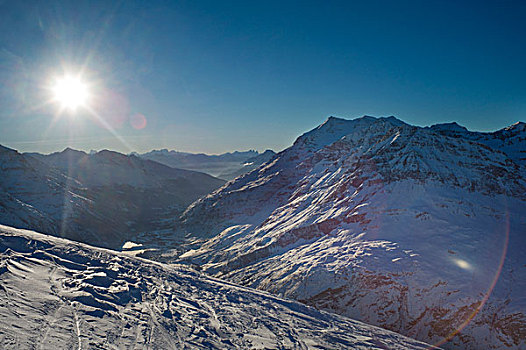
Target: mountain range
column 417, row 230
column 102, row 198
column 226, row 166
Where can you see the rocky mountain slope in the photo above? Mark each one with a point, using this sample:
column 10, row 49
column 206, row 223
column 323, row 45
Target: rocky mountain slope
column 57, row 294
column 36, row 195
column 102, row 198
column 417, row 230
column 510, row 140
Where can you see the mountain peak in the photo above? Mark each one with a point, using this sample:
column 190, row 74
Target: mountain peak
column 333, row 119
column 110, row 155
column 451, row 127
column 335, row 128
column 69, row 150
column 518, row 126
column 6, row 149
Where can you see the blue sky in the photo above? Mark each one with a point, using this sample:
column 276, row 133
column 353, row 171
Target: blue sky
column 216, row 76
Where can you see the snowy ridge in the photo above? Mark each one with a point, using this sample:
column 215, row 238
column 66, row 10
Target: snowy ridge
column 57, row 294
column 510, row 140
column 413, row 229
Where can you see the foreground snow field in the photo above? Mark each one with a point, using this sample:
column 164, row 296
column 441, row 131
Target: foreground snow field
column 58, row 294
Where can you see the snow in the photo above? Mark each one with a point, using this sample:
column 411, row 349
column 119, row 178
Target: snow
column 412, row 229
column 416, row 230
column 130, row 245
column 57, row 294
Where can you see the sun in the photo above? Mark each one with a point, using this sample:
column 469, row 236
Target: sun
column 70, row 92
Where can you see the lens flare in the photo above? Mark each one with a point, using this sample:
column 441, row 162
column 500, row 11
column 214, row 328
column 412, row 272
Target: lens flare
column 486, row 296
column 138, row 121
column 463, row 264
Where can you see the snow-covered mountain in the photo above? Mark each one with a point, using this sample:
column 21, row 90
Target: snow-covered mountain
column 101, row 198
column 57, row 294
column 417, row 230
column 510, row 140
column 225, row 166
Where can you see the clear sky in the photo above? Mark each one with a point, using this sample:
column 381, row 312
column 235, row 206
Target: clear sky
column 216, row 76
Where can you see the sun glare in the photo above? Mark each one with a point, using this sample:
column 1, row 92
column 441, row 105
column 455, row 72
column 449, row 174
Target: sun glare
column 70, row 92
